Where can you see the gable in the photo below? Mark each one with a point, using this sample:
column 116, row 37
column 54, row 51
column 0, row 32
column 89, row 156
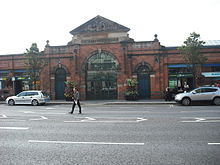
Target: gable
column 99, row 24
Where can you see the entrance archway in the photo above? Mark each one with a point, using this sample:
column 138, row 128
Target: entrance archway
column 143, row 76
column 101, row 76
column 60, row 78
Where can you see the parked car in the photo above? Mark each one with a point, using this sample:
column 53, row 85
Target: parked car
column 210, row 94
column 29, row 97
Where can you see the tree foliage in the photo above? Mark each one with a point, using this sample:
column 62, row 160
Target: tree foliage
column 191, row 51
column 34, row 63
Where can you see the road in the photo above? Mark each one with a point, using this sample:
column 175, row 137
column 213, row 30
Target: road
column 110, row 135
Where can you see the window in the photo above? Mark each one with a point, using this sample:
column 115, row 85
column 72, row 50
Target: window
column 215, row 69
column 101, row 61
column 198, row 90
column 179, row 70
column 209, row 90
column 22, row 94
column 32, row 93
column 101, row 76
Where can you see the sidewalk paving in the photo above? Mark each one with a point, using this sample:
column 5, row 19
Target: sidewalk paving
column 112, row 102
column 115, row 102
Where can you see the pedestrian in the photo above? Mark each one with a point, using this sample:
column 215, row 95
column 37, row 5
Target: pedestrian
column 75, row 101
column 168, row 94
column 218, row 84
column 186, row 87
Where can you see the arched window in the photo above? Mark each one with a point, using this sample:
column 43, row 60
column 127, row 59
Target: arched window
column 101, row 76
column 102, row 61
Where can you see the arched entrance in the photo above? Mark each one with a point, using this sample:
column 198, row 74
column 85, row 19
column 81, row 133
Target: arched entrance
column 143, row 77
column 101, row 76
column 60, row 78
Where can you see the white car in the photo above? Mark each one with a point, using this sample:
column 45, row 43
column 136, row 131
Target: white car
column 29, row 97
column 210, row 94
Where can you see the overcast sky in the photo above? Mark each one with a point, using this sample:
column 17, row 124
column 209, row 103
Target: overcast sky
column 24, row 22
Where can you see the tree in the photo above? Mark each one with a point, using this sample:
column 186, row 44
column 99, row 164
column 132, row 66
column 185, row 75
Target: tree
column 191, row 51
column 34, row 63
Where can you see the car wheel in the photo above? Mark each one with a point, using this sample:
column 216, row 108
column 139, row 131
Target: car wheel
column 186, row 101
column 34, row 102
column 216, row 101
column 11, row 102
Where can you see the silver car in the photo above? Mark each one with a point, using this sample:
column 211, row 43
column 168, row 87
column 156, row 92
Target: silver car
column 211, row 94
column 29, row 97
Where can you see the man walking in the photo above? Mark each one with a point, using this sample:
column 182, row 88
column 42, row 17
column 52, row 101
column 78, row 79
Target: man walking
column 76, row 100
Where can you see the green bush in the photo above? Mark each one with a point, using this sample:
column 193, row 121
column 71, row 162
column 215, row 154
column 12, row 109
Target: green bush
column 131, row 91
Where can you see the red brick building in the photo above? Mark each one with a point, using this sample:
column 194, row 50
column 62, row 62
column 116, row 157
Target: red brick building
column 101, row 57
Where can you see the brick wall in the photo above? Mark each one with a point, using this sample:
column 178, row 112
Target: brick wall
column 73, row 59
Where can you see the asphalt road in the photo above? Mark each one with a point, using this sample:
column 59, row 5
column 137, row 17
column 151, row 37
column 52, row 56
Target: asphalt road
column 110, row 135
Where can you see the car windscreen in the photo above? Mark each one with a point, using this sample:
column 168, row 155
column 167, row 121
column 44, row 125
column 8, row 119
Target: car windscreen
column 22, row 94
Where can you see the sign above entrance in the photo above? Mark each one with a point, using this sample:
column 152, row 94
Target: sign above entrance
column 211, row 74
column 103, row 40
column 181, row 75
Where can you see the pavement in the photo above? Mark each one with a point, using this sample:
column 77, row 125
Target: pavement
column 113, row 102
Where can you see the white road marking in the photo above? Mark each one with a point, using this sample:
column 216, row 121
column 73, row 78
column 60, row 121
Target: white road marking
column 210, row 121
column 88, row 119
column 140, row 119
column 199, row 117
column 92, row 143
column 194, row 120
column 213, row 143
column 3, row 116
column 53, row 113
column 201, row 120
column 92, row 120
column 28, row 112
column 44, row 112
column 14, row 120
column 199, row 111
column 15, row 128
column 41, row 118
column 50, row 108
column 49, row 113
